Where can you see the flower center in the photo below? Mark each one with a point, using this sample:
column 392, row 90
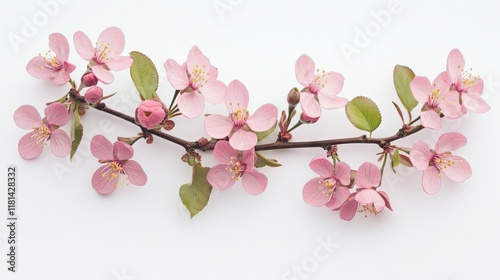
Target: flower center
column 435, row 98
column 112, row 171
column 319, row 82
column 199, row 76
column 236, row 168
column 444, row 160
column 42, row 134
column 239, row 117
column 327, row 186
column 51, row 60
column 104, row 53
column 367, row 208
column 466, row 81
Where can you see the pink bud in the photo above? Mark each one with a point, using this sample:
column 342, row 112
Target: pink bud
column 89, row 79
column 149, row 114
column 293, row 97
column 93, row 95
column 308, row 120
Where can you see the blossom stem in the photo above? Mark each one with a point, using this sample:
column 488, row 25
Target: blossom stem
column 299, row 123
column 173, row 100
column 415, row 120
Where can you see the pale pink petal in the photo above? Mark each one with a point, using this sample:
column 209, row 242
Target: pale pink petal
column 368, row 196
column 196, row 59
column 477, row 87
column 101, row 148
column 264, row 118
column 254, row 182
column 459, row 171
column 430, row 119
column 450, row 105
column 450, row 142
column 120, row 63
column 176, row 75
column 101, row 183
column 340, row 195
column 83, row 45
column 26, row 117
column 135, row 173
column 122, row 151
column 104, row 75
column 60, row 77
column 348, row 210
column 304, row 70
column 59, row 44
column 475, row 103
column 191, row 104
column 213, row 91
column 56, row 114
column 114, row 39
column 442, row 81
column 243, row 140
column 236, row 96
column 248, row 157
column 342, row 172
column 333, row 85
column 421, row 88
column 368, row 176
column 38, row 68
column 213, row 73
column 223, row 152
column 69, row 67
column 310, row 105
column 322, row 166
column 218, row 126
column 315, row 193
column 60, row 143
column 28, row 147
column 455, row 65
column 331, row 102
column 386, row 199
column 420, row 155
column 219, row 177
column 431, row 180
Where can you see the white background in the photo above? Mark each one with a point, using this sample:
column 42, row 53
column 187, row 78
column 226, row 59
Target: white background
column 67, row 231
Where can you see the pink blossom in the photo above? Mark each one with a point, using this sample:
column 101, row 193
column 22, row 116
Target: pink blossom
column 150, row 113
column 432, row 162
column 197, row 81
column 43, row 130
column 116, row 159
column 240, row 126
column 106, row 55
column 93, row 95
column 468, row 87
column 321, row 87
column 54, row 66
column 234, row 165
column 332, row 181
column 437, row 99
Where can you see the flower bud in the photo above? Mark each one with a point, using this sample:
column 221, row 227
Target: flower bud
column 93, row 95
column 89, row 79
column 293, row 97
column 308, row 120
column 149, row 114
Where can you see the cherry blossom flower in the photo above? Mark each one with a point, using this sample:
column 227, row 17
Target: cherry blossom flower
column 197, row 81
column 240, row 126
column 437, row 99
column 331, row 181
column 42, row 130
column 432, row 162
column 234, row 165
column 150, row 113
column 469, row 87
column 116, row 159
column 106, row 55
column 321, row 87
column 54, row 65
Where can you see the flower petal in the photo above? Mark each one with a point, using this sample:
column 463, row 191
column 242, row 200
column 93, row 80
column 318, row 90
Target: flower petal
column 368, row 176
column 102, row 184
column 56, row 114
column 322, row 167
column 38, row 68
column 421, row 88
column 218, row 126
column 386, row 199
column 28, row 146
column 459, row 171
column 254, row 182
column 348, row 210
column 310, row 105
column 83, row 45
column 450, row 105
column 248, row 157
column 342, row 172
column 197, row 59
column 450, row 142
column 455, row 65
column 340, row 196
column 475, row 103
column 430, row 119
column 368, row 196
column 135, row 173
column 101, row 148
column 223, row 152
column 304, row 70
column 264, row 118
column 236, row 96
column 60, row 77
column 219, row 177
column 191, row 104
column 104, row 75
column 420, row 155
column 243, row 140
column 122, row 151
column 331, row 102
column 26, row 117
column 176, row 75
column 114, row 39
column 315, row 193
column 60, row 145
column 59, row 44
column 120, row 63
column 333, row 85
column 431, row 180
column 213, row 91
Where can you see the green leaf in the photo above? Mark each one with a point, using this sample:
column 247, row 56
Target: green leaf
column 144, row 75
column 76, row 133
column 263, row 134
column 395, row 159
column 402, row 78
column 195, row 195
column 363, row 113
column 262, row 161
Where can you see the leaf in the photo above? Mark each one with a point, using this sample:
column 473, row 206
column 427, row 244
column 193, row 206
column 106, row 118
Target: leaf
column 363, row 113
column 399, row 111
column 395, row 159
column 195, row 195
column 144, row 75
column 402, row 77
column 262, row 161
column 404, row 160
column 263, row 134
column 76, row 133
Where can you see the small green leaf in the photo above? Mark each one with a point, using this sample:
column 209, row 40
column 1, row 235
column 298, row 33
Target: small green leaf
column 263, row 134
column 76, row 132
column 402, row 78
column 195, row 195
column 395, row 159
column 144, row 75
column 363, row 113
column 262, row 161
